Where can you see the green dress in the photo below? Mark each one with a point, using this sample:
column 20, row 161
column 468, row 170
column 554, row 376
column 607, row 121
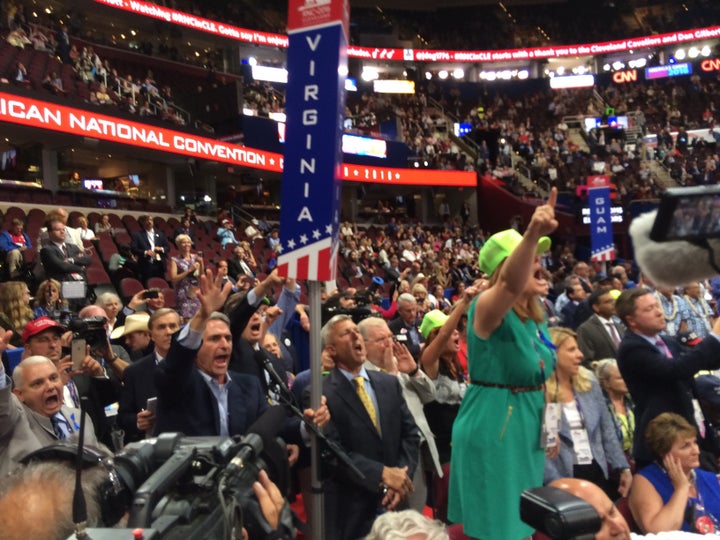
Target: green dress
column 496, row 436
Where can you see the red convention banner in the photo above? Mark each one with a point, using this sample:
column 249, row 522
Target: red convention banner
column 415, row 55
column 44, row 115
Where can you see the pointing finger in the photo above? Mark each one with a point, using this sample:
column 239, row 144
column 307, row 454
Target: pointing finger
column 552, row 199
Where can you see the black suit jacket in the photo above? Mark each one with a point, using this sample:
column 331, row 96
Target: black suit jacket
column 399, row 328
column 55, row 265
column 140, row 244
column 659, row 384
column 595, row 341
column 100, row 392
column 187, row 405
column 351, row 504
column 138, row 387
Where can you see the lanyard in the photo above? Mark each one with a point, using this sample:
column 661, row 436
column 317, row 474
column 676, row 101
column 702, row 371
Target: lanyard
column 551, row 347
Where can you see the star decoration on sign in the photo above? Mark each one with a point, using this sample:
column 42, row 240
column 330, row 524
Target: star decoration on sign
column 328, row 228
column 291, row 243
column 279, row 248
column 303, row 239
column 316, row 234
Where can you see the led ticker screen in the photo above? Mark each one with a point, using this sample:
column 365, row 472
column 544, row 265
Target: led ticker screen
column 671, row 70
column 460, row 129
column 256, row 37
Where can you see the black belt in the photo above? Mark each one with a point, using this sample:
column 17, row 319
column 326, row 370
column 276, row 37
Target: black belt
column 513, row 389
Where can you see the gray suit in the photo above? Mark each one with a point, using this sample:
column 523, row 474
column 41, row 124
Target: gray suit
column 594, row 340
column 417, row 391
column 604, row 442
column 23, row 431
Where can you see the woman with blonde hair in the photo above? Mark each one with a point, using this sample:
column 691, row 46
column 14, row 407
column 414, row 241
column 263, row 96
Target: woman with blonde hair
column 495, row 438
column 15, row 310
column 48, row 299
column 184, row 272
column 587, row 444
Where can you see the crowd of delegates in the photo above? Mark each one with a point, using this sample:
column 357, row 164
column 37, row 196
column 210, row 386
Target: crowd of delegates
column 471, row 335
column 106, row 87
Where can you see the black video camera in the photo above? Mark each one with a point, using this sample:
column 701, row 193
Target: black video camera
column 559, row 514
column 177, row 487
column 91, row 329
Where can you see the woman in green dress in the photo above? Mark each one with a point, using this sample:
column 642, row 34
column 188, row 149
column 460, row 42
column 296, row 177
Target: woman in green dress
column 496, row 437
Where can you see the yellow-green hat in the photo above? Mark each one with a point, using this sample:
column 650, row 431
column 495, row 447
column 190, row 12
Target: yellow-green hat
column 497, row 248
column 432, row 320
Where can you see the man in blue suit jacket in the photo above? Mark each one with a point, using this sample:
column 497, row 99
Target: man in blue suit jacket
column 387, row 454
column 658, row 375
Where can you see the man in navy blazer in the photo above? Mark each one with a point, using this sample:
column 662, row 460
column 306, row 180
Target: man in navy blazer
column 151, row 248
column 386, row 455
column 658, row 374
column 197, row 395
column 139, row 377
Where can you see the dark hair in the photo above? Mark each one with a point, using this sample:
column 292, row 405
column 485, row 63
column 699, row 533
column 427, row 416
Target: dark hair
column 625, row 304
column 596, row 295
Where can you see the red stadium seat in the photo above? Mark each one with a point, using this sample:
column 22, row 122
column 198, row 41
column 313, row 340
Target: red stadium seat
column 129, row 287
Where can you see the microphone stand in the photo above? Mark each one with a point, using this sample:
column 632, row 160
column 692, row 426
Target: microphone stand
column 288, row 399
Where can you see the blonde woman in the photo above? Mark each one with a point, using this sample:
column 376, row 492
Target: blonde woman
column 184, row 272
column 15, row 311
column 48, row 299
column 588, row 446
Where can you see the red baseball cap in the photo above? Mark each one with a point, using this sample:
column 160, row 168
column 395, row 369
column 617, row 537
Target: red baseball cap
column 39, row 325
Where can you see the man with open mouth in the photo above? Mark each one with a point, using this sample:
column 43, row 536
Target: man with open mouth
column 33, row 415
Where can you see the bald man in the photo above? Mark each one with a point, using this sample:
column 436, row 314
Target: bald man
column 614, row 526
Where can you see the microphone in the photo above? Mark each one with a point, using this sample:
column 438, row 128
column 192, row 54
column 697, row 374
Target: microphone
column 79, row 506
column 672, row 263
column 264, row 362
column 259, row 436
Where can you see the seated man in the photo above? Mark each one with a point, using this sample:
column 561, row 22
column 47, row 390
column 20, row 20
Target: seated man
column 33, row 415
column 614, row 526
column 13, row 243
column 61, row 260
column 135, row 334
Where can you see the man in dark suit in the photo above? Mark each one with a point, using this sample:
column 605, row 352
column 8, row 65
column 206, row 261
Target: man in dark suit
column 139, row 378
column 371, row 420
column 404, row 326
column 599, row 336
column 246, row 327
column 61, row 260
column 238, row 264
column 151, row 249
column 197, row 395
column 575, row 294
column 658, row 375
column 185, row 228
column 42, row 337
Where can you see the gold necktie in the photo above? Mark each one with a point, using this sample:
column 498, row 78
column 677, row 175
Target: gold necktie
column 366, row 401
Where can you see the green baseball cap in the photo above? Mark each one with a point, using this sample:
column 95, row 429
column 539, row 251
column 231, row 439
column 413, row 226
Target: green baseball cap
column 497, row 248
column 432, row 320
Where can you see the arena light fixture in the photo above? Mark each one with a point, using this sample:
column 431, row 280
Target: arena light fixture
column 442, row 74
column 458, row 73
column 680, row 54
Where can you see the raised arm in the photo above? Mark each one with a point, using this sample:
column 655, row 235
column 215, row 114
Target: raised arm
column 498, row 300
column 430, row 356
